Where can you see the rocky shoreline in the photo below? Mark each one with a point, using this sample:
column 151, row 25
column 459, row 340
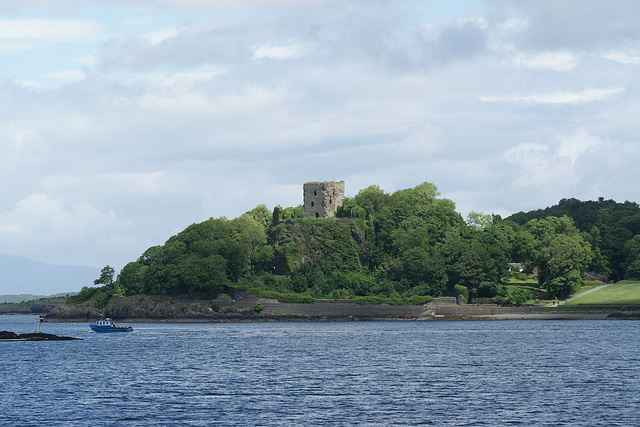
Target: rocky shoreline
column 248, row 308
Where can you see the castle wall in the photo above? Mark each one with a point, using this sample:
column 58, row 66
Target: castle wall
column 321, row 199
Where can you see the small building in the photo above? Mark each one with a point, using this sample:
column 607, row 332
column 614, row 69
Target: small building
column 321, row 199
column 515, row 266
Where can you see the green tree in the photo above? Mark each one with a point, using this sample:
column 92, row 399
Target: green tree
column 525, row 247
column 262, row 259
column 251, row 236
column 106, row 276
column 560, row 263
column 131, row 278
column 518, row 295
column 371, row 199
column 632, row 258
column 461, row 290
column 560, row 252
column 277, row 215
column 261, row 215
column 479, row 220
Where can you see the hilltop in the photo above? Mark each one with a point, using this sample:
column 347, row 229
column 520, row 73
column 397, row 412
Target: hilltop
column 406, row 247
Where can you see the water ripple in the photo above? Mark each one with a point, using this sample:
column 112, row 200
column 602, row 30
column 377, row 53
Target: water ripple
column 352, row 373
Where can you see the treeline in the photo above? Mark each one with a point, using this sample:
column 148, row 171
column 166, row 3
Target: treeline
column 610, row 227
column 405, row 247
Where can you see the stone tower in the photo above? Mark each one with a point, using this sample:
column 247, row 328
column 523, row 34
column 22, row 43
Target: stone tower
column 321, row 199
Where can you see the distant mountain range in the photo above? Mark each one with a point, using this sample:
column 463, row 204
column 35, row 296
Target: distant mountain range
column 19, row 275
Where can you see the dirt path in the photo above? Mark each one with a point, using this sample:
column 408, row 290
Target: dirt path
column 582, row 294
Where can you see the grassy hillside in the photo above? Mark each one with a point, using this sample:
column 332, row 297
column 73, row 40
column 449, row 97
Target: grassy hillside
column 622, row 293
column 14, row 299
column 19, row 298
column 37, row 306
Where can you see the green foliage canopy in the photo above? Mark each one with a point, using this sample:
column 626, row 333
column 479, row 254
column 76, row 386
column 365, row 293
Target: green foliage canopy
column 386, row 247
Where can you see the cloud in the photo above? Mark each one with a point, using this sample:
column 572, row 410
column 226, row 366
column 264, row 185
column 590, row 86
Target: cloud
column 557, row 61
column 206, row 109
column 572, row 25
column 586, row 95
column 39, row 221
column 554, row 163
column 623, row 57
column 162, row 34
column 576, row 144
column 278, row 51
column 67, row 75
column 25, row 34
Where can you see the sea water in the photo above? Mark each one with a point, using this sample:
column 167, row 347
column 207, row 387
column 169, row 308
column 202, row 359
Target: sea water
column 480, row 373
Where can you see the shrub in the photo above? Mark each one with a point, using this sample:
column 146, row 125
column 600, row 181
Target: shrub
column 369, row 300
column 487, row 290
column 419, row 299
column 596, row 277
column 84, row 295
column 100, row 300
column 340, row 294
column 461, row 290
column 518, row 296
column 500, row 301
column 296, row 299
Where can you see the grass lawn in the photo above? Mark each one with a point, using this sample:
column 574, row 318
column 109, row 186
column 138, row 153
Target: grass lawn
column 622, row 293
column 588, row 285
column 535, row 292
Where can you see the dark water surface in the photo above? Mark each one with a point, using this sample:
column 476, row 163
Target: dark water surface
column 346, row 373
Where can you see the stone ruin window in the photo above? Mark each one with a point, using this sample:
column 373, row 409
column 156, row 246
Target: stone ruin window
column 317, row 215
column 315, row 193
column 330, row 201
column 312, row 204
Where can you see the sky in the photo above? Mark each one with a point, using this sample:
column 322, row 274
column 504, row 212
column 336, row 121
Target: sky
column 124, row 121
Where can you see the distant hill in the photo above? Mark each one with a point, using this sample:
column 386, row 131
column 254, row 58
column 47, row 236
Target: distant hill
column 19, row 275
column 13, row 299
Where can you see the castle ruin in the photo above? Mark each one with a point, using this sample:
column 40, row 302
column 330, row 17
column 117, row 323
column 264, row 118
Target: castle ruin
column 321, row 199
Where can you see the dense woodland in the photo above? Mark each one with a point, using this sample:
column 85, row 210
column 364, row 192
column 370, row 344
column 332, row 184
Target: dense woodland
column 405, row 247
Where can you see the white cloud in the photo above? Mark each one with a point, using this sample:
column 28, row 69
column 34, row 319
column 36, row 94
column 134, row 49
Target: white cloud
column 523, row 153
column 118, row 184
column 41, row 222
column 29, row 84
column 422, row 142
column 204, row 108
column 278, row 51
column 13, row 136
column 557, row 61
column 576, row 144
column 623, row 57
column 235, row 4
column 586, row 95
column 545, row 164
column 162, row 34
column 67, row 75
column 24, row 34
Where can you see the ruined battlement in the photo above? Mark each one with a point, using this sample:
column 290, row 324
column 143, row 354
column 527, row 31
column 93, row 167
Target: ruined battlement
column 321, row 199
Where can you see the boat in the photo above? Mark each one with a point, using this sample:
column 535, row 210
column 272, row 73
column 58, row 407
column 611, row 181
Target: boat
column 107, row 325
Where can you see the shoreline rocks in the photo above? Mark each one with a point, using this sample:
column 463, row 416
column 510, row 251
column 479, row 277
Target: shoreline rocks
column 36, row 336
column 251, row 309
